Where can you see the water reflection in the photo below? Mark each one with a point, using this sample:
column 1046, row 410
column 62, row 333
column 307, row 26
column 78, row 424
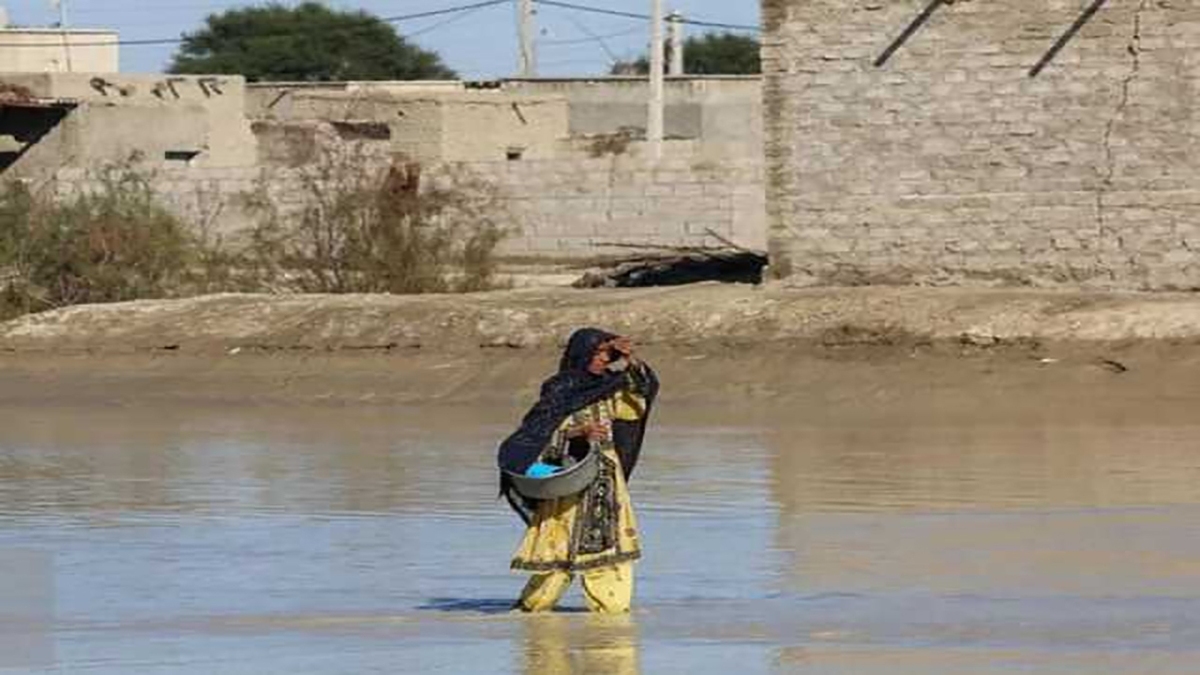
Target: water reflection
column 562, row 644
column 999, row 510
column 168, row 460
column 862, row 465
column 848, row 543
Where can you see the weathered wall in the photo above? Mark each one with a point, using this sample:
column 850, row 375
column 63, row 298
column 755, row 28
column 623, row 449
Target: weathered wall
column 562, row 209
column 213, row 200
column 417, row 130
column 483, row 128
column 724, row 112
column 123, row 117
column 952, row 164
column 582, row 207
column 461, row 121
column 428, row 123
column 570, row 197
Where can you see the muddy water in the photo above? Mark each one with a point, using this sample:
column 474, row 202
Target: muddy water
column 344, row 540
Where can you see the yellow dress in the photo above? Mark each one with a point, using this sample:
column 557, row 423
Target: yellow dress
column 593, row 533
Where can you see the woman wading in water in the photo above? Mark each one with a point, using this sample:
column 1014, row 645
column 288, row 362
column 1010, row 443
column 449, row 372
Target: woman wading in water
column 599, row 401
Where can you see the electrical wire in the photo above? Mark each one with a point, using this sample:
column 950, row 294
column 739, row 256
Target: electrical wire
column 178, row 40
column 445, row 22
column 440, row 12
column 612, row 57
column 642, row 17
column 591, row 38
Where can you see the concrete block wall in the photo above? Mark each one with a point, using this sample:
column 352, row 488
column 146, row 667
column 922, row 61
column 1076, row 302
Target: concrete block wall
column 590, row 207
column 951, row 164
column 561, row 209
column 718, row 110
column 212, row 199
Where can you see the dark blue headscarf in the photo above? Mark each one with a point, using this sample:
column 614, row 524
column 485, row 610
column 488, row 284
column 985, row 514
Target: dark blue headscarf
column 573, row 388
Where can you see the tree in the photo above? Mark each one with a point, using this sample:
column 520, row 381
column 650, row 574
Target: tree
column 309, row 43
column 708, row 54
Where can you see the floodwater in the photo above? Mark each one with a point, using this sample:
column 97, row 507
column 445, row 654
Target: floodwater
column 341, row 540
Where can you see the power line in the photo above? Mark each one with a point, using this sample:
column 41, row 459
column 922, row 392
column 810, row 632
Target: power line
column 446, row 22
column 178, row 40
column 440, row 12
column 642, row 17
column 592, row 38
column 599, row 40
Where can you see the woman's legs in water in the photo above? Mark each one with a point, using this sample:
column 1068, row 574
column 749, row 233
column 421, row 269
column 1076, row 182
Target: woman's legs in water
column 543, row 591
column 609, row 590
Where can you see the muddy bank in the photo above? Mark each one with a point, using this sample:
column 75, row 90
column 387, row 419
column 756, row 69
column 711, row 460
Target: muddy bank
column 542, row 318
column 729, row 353
column 705, row 384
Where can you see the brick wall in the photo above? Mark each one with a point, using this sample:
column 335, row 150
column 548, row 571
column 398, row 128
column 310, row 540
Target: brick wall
column 562, row 208
column 211, row 198
column 950, row 164
column 581, row 207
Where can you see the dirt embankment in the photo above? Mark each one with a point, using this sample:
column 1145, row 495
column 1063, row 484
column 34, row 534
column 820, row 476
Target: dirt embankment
column 726, row 352
column 707, row 313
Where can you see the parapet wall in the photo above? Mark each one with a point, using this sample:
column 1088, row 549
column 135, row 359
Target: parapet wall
column 950, row 163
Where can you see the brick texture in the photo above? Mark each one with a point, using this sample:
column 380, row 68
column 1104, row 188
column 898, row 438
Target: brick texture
column 559, row 208
column 596, row 207
column 951, row 164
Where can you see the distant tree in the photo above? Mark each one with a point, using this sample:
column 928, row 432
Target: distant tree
column 708, row 54
column 309, row 43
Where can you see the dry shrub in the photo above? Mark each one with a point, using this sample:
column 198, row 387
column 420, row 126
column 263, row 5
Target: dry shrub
column 358, row 230
column 385, row 230
column 110, row 244
column 617, row 143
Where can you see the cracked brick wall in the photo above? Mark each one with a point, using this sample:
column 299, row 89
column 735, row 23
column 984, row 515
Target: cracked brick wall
column 950, row 164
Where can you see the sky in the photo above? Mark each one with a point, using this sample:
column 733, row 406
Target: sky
column 478, row 44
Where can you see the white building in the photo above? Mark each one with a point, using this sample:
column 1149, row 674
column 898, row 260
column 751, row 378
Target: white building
column 54, row 50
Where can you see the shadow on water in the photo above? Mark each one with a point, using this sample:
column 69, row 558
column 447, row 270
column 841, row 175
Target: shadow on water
column 485, row 606
column 468, row 605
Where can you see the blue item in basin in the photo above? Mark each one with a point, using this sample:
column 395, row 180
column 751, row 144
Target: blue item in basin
column 542, row 470
column 559, row 481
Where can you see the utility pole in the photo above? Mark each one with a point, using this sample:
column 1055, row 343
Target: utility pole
column 654, row 125
column 526, row 57
column 675, row 37
column 61, row 6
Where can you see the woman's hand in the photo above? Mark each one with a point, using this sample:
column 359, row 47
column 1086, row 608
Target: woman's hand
column 595, row 432
column 623, row 346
